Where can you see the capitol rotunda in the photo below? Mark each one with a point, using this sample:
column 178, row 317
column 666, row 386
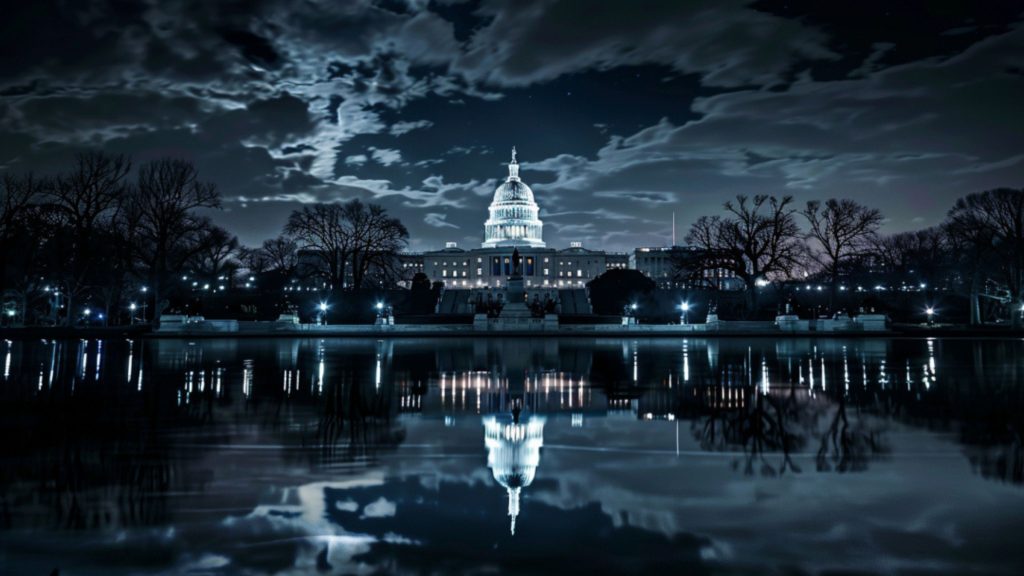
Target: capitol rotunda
column 514, row 214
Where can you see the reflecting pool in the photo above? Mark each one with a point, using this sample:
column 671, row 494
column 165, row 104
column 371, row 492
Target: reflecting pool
column 516, row 455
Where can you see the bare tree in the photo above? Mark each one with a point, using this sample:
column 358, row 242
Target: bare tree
column 915, row 257
column 843, row 230
column 377, row 237
column 758, row 239
column 18, row 195
column 323, row 230
column 274, row 255
column 22, row 235
column 281, row 254
column 254, row 260
column 991, row 224
column 354, row 237
column 163, row 208
column 86, row 201
column 214, row 255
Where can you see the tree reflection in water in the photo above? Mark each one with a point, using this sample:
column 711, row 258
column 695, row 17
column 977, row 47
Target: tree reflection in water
column 83, row 450
column 93, row 444
column 783, row 423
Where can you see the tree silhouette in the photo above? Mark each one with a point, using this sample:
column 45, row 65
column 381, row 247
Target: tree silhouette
column 352, row 237
column 843, row 231
column 991, row 223
column 758, row 239
column 163, row 211
column 86, row 203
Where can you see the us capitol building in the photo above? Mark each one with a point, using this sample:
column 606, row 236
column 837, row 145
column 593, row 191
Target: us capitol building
column 513, row 223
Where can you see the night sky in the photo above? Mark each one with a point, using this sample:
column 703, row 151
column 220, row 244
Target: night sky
column 622, row 112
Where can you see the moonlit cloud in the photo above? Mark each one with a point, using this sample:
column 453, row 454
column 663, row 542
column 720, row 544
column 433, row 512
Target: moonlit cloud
column 619, row 111
column 386, row 156
column 438, row 220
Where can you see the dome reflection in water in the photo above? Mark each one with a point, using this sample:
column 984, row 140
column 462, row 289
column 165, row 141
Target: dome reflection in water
column 341, row 456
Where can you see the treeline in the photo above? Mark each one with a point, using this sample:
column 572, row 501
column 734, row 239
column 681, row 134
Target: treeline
column 977, row 252
column 106, row 242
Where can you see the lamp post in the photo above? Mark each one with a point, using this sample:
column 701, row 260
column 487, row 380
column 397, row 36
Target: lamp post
column 628, row 313
column 323, row 313
column 931, row 313
column 145, row 302
column 131, row 313
column 56, row 304
column 685, row 307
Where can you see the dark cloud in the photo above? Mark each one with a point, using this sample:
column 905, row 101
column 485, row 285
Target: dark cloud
column 724, row 42
column 623, row 112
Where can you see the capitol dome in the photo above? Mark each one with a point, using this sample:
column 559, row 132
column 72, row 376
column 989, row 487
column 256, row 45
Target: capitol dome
column 513, row 191
column 513, row 214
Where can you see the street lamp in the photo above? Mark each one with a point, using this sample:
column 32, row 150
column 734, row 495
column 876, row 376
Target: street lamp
column 931, row 313
column 322, row 307
column 685, row 307
column 131, row 315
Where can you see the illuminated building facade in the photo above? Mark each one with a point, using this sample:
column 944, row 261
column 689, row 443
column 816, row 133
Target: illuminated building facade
column 514, row 222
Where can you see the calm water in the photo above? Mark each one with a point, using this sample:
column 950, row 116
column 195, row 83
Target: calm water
column 515, row 456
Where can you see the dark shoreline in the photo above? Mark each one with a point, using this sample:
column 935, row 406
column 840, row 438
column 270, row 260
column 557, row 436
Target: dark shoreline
column 568, row 331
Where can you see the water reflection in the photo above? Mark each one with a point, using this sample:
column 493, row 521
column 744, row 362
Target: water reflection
column 329, row 441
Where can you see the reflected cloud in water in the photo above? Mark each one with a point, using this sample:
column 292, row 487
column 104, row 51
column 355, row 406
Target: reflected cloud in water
column 285, row 456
